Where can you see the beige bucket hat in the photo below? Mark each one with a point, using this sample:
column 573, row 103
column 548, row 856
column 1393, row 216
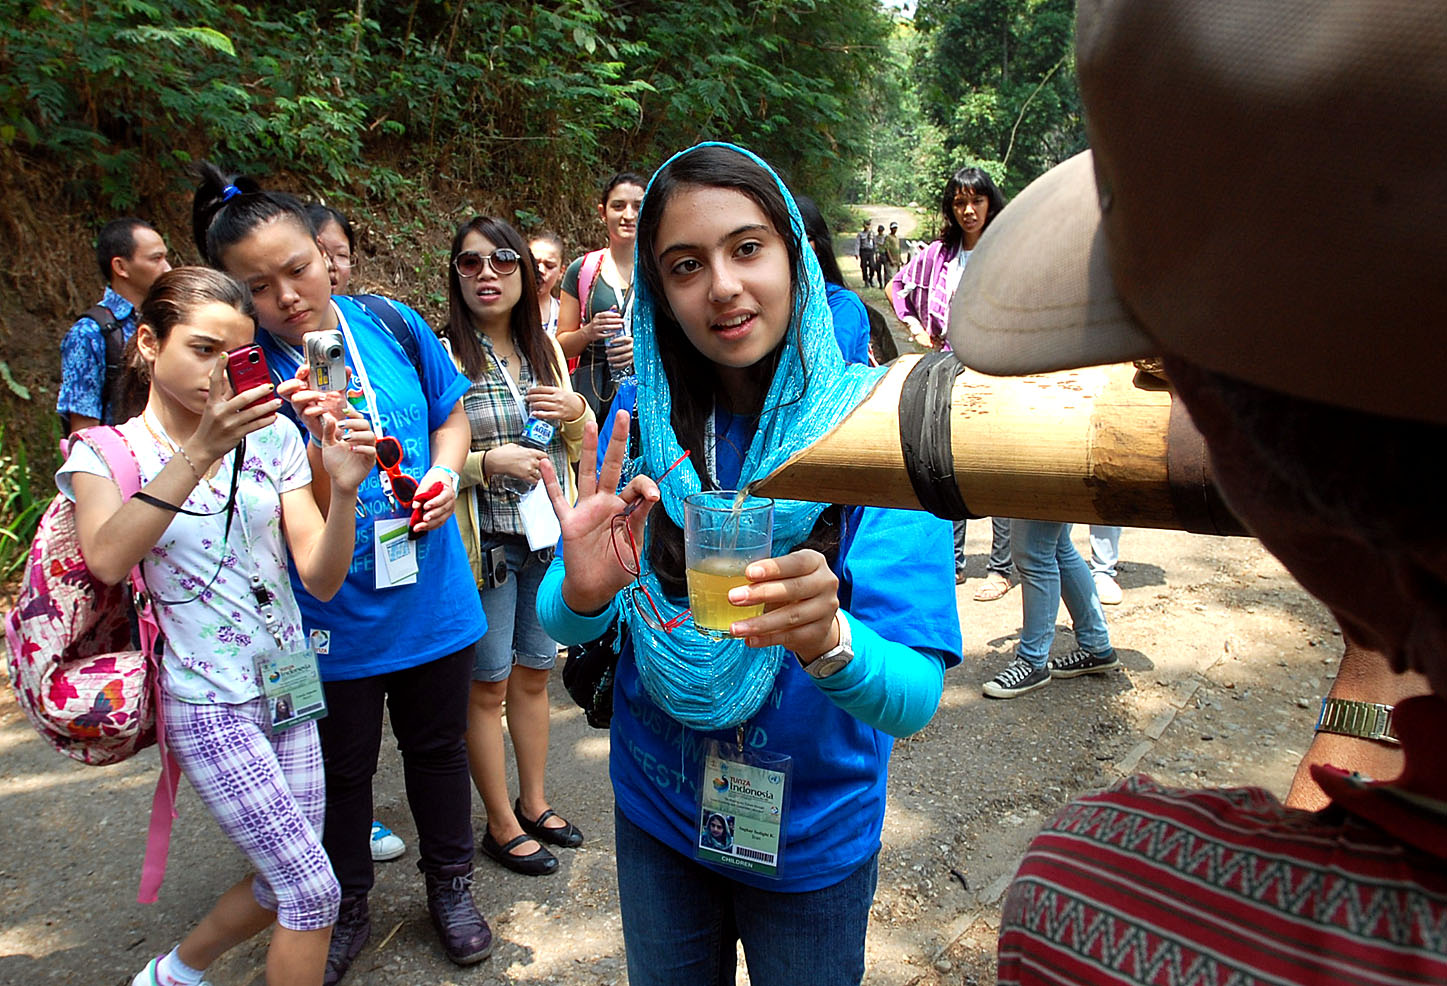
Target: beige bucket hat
column 1266, row 197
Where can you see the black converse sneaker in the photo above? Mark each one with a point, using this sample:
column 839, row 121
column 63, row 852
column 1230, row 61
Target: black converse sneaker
column 1081, row 661
column 1017, row 679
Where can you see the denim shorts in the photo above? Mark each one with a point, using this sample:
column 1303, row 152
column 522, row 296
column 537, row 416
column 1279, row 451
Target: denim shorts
column 514, row 634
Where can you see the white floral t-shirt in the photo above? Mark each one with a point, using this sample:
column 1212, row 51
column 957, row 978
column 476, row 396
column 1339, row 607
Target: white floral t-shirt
column 213, row 626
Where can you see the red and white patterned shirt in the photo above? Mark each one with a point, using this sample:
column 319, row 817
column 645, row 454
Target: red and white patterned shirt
column 1144, row 884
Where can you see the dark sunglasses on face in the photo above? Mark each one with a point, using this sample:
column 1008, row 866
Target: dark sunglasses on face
column 503, row 262
column 389, row 458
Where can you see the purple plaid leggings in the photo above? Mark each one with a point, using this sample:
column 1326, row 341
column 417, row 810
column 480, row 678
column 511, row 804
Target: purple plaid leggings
column 267, row 793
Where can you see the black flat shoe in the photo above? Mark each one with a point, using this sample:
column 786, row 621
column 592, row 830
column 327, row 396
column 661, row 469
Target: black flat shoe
column 568, row 836
column 539, row 862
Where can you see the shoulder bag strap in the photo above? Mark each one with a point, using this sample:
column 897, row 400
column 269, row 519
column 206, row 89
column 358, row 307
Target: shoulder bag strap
column 397, row 325
column 587, row 280
column 126, row 472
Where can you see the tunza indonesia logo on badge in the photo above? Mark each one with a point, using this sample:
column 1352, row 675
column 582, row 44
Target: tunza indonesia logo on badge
column 720, row 784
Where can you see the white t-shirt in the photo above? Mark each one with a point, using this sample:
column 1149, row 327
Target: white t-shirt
column 956, row 270
column 213, row 626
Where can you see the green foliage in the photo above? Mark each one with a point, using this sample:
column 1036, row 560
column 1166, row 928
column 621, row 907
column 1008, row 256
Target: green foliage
column 903, row 145
column 20, row 509
column 537, row 100
column 998, row 78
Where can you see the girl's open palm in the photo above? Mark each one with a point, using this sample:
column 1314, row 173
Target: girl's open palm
column 592, row 543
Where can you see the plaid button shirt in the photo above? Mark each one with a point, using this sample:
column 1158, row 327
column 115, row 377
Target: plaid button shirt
column 496, row 419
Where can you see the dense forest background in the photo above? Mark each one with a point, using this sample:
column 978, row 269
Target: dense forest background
column 412, row 116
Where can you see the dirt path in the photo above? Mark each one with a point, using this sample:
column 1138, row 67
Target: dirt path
column 883, row 215
column 1224, row 657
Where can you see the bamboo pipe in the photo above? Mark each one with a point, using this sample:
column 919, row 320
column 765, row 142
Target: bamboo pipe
column 1099, row 445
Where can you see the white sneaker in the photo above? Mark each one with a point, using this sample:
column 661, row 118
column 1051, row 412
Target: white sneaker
column 1107, row 589
column 147, row 976
column 386, row 844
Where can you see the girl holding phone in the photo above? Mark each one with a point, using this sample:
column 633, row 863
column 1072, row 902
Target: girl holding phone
column 396, row 633
column 736, row 356
column 225, row 502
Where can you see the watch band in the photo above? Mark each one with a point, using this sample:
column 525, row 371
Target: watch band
column 1365, row 720
column 837, row 657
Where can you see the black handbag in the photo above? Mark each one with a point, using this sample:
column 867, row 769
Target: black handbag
column 588, row 673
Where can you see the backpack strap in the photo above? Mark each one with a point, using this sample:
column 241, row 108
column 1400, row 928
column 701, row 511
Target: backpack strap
column 126, row 472
column 115, row 349
column 389, row 316
column 587, row 280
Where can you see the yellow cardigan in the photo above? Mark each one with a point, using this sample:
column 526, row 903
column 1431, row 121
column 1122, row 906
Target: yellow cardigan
column 466, row 509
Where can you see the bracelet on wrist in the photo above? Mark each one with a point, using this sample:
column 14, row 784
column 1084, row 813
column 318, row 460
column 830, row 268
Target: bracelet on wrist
column 181, row 451
column 451, row 475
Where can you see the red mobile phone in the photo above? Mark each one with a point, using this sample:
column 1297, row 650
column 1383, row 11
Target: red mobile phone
column 246, row 368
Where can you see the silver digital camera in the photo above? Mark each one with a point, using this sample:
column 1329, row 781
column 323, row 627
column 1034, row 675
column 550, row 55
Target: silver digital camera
column 326, row 354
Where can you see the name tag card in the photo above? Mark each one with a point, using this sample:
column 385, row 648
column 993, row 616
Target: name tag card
column 743, row 808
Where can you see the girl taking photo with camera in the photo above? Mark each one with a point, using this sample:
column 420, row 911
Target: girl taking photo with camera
column 738, row 369
column 225, row 501
column 397, row 633
column 519, row 383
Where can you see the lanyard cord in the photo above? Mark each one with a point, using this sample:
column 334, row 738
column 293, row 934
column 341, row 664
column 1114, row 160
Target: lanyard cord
column 259, row 592
column 368, row 394
column 236, row 460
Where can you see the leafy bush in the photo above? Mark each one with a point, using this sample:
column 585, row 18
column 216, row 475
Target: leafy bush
column 535, row 100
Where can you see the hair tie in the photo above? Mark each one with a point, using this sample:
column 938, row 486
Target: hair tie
column 230, row 192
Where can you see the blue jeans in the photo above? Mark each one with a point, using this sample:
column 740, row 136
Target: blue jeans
column 1104, row 549
column 514, row 634
column 999, row 560
column 681, row 922
column 1051, row 569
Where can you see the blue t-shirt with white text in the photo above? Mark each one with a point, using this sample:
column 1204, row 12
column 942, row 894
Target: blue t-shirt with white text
column 896, row 575
column 364, row 631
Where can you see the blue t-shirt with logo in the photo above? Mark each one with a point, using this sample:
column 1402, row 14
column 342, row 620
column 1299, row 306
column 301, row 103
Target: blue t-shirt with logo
column 364, row 631
column 896, row 575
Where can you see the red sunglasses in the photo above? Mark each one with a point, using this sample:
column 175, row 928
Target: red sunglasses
column 389, row 459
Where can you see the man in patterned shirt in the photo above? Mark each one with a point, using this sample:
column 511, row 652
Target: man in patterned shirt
column 130, row 255
column 1306, row 341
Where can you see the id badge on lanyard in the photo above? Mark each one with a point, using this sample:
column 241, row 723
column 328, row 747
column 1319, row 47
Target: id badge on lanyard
column 395, row 554
column 743, row 808
column 292, row 687
column 291, row 681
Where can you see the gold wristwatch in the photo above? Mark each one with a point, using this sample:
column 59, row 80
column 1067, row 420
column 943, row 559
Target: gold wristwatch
column 1366, row 720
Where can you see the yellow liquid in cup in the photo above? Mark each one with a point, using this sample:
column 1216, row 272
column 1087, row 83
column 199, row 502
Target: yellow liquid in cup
column 708, row 594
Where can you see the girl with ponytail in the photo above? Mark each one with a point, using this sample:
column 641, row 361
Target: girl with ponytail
column 402, row 631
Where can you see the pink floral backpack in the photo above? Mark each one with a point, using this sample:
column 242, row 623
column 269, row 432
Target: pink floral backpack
column 73, row 662
column 85, row 690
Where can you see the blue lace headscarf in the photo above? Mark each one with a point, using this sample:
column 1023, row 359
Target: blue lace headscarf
column 700, row 682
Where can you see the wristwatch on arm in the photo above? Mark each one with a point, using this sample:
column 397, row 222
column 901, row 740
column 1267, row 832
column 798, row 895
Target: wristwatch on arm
column 837, row 657
column 1365, row 720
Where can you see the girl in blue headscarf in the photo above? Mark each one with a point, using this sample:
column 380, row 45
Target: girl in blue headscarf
column 786, row 726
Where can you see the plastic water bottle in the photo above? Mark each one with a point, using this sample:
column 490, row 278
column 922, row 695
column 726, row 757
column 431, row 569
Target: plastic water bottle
column 615, row 373
column 537, row 434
